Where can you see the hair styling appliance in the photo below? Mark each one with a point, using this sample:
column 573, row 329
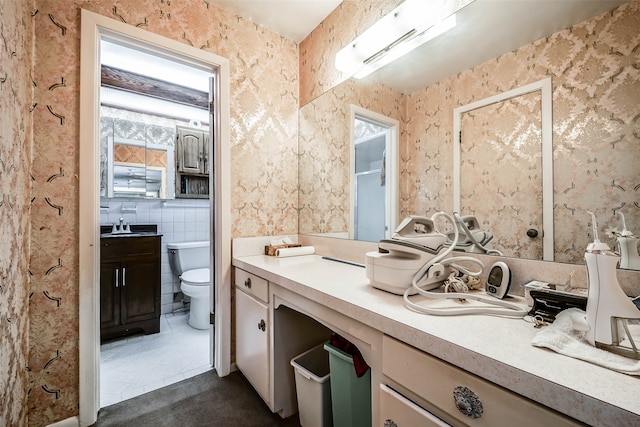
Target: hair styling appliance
column 609, row 310
column 414, row 243
column 471, row 237
column 491, row 305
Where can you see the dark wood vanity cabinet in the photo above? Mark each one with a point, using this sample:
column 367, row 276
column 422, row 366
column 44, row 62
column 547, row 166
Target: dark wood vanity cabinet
column 130, row 289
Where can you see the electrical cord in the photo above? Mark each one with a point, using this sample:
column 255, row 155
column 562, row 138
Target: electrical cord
column 498, row 306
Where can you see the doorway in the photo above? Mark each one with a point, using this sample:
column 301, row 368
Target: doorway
column 94, row 28
column 147, row 101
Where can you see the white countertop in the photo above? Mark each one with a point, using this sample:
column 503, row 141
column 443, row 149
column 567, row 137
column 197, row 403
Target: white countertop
column 495, row 348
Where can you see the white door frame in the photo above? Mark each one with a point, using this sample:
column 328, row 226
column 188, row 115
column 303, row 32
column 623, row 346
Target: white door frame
column 94, row 26
column 391, row 186
column 544, row 86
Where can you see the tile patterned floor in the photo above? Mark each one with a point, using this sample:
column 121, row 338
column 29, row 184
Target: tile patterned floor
column 133, row 366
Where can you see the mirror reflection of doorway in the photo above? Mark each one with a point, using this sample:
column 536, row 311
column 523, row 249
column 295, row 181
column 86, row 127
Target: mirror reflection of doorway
column 501, row 172
column 503, row 169
column 373, row 176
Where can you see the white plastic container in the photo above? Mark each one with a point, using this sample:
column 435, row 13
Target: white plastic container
column 313, row 387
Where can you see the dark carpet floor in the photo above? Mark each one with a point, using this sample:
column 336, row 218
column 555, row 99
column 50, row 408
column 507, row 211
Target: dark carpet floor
column 204, row 400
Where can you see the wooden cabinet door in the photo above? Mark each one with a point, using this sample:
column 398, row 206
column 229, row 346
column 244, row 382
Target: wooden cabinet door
column 252, row 342
column 109, row 294
column 190, row 151
column 140, row 297
column 206, row 164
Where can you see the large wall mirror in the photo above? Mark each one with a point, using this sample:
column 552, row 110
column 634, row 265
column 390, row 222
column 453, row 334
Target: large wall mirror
column 596, row 118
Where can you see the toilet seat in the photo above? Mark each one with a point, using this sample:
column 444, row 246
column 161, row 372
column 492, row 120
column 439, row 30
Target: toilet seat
column 197, row 277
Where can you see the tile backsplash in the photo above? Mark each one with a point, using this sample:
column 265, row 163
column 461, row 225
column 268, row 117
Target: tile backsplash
column 177, row 221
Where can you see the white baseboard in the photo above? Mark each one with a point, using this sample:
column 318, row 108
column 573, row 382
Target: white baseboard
column 69, row 422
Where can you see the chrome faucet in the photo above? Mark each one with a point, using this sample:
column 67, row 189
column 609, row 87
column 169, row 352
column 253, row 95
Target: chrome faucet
column 122, row 228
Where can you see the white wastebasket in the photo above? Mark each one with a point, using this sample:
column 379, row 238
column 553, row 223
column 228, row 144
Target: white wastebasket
column 313, row 387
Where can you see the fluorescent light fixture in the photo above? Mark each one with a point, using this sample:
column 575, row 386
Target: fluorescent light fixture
column 408, row 26
column 407, row 46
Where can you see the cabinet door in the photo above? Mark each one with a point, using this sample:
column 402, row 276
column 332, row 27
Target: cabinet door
column 190, row 146
column 206, row 165
column 139, row 290
column 252, row 343
column 109, row 294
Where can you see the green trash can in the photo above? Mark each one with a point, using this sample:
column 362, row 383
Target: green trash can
column 350, row 395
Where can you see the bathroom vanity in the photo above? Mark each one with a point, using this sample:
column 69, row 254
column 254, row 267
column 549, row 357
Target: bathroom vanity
column 129, row 283
column 425, row 369
column 263, row 352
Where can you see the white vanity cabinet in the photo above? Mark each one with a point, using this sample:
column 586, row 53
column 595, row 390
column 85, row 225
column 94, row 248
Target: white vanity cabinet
column 421, row 390
column 268, row 335
column 252, row 331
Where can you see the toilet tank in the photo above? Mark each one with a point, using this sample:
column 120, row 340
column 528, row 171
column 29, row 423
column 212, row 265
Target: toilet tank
column 185, row 256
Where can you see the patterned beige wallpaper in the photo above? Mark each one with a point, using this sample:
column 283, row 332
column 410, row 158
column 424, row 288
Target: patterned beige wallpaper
column 264, row 89
column 596, row 111
column 16, row 95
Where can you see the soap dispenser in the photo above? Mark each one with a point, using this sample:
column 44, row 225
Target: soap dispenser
column 605, row 322
column 628, row 248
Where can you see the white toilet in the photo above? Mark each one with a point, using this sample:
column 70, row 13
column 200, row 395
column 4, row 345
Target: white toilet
column 190, row 261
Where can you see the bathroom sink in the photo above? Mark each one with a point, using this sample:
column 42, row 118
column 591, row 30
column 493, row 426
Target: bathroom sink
column 137, row 230
column 132, row 234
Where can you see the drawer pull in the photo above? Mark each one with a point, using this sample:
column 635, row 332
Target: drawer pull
column 262, row 326
column 247, row 282
column 467, row 402
column 390, row 423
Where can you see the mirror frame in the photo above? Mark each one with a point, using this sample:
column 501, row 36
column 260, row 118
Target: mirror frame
column 170, row 173
column 545, row 87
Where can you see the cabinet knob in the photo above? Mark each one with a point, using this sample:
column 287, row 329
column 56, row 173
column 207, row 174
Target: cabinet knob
column 247, row 282
column 262, row 326
column 467, row 402
column 532, row 232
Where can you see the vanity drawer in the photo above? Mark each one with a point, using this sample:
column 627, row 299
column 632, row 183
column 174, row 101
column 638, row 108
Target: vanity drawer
column 122, row 247
column 397, row 410
column 435, row 381
column 252, row 284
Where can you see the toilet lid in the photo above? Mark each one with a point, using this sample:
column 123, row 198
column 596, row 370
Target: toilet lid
column 199, row 276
